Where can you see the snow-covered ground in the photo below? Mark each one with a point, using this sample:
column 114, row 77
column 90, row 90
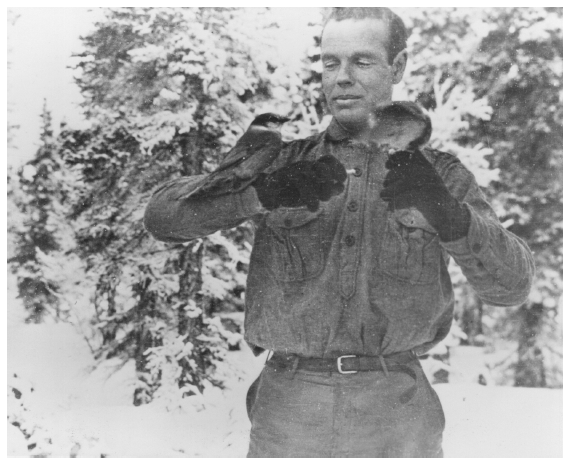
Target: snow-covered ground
column 77, row 411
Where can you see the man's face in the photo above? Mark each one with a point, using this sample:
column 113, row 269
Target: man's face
column 357, row 77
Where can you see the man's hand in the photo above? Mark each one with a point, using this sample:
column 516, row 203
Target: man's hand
column 413, row 182
column 302, row 184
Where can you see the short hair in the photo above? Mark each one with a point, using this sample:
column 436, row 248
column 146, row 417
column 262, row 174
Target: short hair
column 396, row 28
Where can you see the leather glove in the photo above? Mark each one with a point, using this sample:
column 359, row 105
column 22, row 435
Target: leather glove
column 412, row 181
column 302, row 183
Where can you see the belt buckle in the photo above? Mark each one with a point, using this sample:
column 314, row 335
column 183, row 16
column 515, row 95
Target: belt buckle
column 339, row 365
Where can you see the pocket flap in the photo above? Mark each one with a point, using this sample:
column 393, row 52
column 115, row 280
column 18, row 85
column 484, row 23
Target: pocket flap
column 290, row 218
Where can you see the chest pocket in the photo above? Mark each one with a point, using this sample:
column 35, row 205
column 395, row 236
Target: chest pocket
column 410, row 254
column 296, row 244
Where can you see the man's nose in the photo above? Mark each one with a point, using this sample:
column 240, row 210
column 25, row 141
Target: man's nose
column 344, row 77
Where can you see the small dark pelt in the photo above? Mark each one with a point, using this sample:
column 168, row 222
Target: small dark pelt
column 254, row 152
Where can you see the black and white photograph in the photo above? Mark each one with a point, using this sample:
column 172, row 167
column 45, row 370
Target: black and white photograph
column 284, row 232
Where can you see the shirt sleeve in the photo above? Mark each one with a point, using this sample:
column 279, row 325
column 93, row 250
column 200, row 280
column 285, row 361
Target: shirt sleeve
column 498, row 264
column 171, row 217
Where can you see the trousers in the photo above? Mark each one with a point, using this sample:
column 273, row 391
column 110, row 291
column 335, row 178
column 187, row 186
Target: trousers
column 310, row 414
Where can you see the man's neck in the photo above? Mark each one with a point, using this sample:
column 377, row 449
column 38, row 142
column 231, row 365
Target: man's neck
column 357, row 133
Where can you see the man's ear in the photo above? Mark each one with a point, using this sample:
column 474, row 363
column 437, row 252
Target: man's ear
column 399, row 66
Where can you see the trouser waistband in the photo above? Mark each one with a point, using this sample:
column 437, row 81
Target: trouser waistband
column 343, row 363
column 350, row 364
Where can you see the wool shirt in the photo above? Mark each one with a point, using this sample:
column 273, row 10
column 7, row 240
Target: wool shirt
column 352, row 277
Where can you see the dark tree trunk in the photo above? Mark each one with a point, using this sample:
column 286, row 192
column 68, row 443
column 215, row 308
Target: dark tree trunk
column 471, row 322
column 529, row 368
column 143, row 338
column 190, row 281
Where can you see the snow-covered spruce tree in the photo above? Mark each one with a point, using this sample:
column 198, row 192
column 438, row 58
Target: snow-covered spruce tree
column 35, row 194
column 168, row 92
column 519, row 66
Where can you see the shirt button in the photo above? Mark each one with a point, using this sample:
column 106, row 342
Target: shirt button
column 357, row 172
column 391, row 151
column 477, row 247
column 352, row 206
column 349, row 240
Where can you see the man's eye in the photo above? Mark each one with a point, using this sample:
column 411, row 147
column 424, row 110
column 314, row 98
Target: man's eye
column 329, row 64
column 363, row 63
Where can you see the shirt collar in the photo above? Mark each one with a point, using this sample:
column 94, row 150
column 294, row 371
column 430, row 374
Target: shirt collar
column 335, row 132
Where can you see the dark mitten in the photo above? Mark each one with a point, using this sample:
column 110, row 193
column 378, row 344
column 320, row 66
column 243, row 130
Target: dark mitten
column 412, row 181
column 302, row 183
column 328, row 175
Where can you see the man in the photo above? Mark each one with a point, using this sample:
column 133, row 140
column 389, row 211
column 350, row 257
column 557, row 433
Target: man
column 348, row 295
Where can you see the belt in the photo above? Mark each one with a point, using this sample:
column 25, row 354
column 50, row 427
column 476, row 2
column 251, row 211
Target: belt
column 349, row 364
